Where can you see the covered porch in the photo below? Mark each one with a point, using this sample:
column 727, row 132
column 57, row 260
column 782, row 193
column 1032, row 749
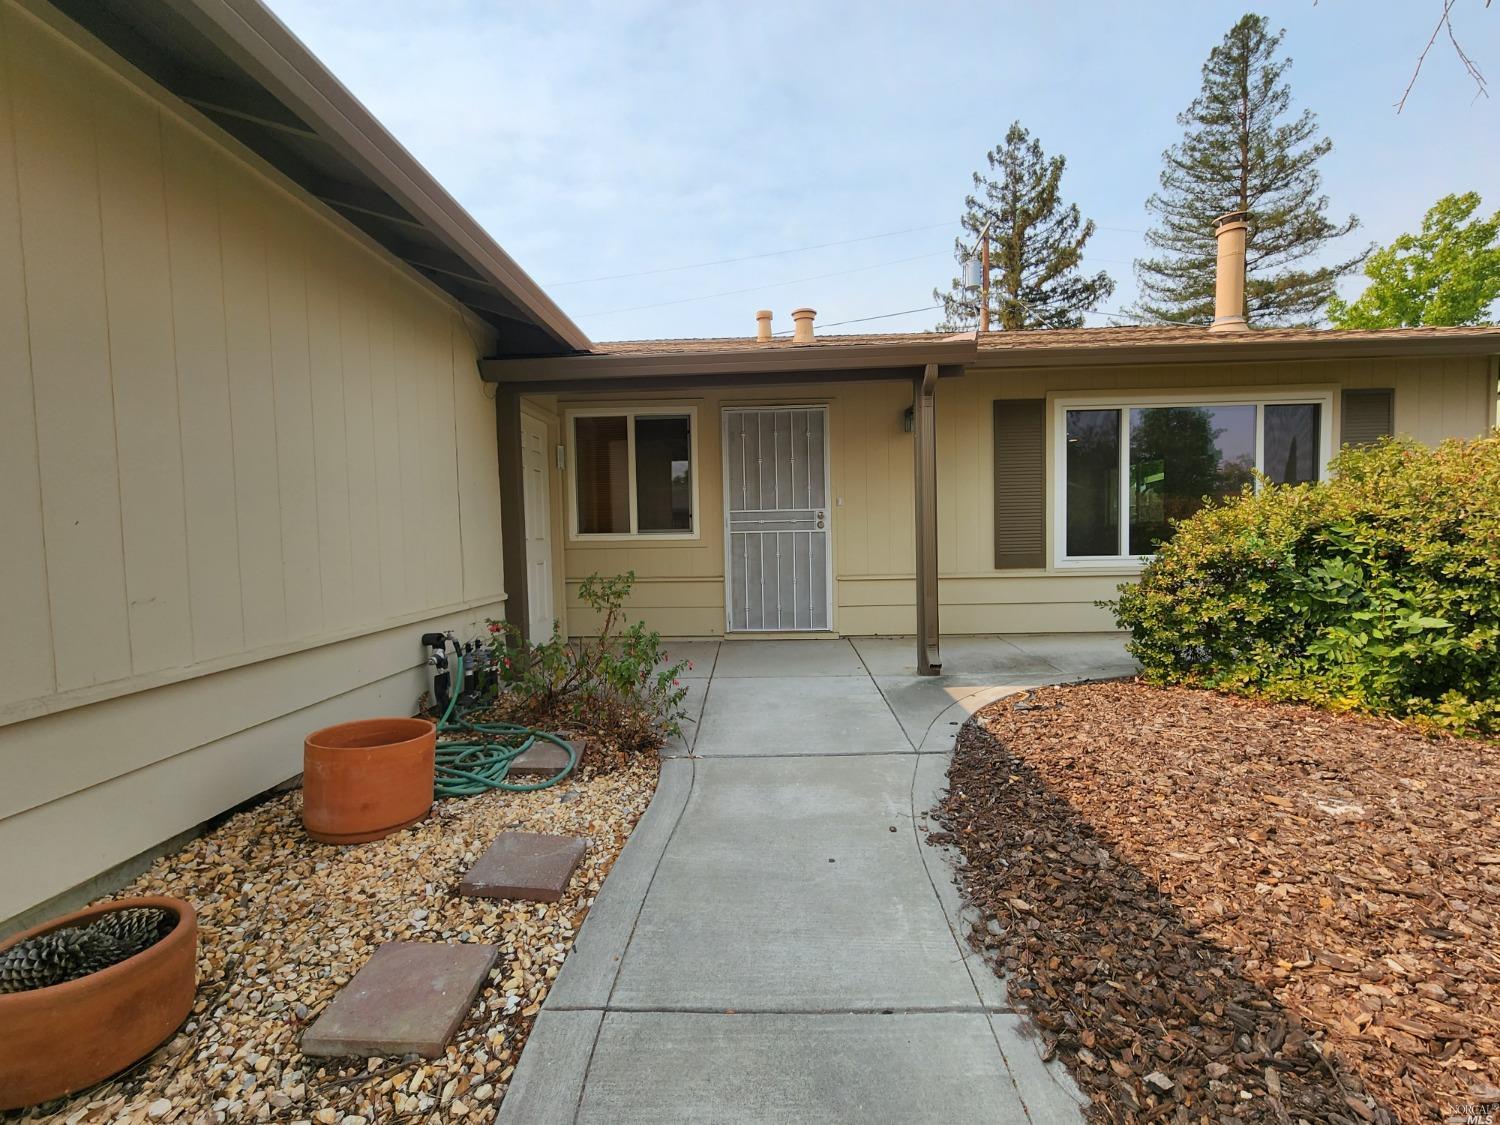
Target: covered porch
column 756, row 488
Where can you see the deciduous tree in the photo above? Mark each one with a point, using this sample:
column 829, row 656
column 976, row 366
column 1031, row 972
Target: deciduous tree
column 1447, row 273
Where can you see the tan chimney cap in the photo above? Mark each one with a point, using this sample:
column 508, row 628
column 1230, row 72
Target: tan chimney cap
column 802, row 318
column 1231, row 218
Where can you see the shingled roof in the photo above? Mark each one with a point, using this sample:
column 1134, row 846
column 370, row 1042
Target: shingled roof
column 1124, row 339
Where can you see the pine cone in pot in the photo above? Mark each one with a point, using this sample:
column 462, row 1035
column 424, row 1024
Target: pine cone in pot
column 55, row 957
column 77, row 951
column 135, row 928
column 60, row 1036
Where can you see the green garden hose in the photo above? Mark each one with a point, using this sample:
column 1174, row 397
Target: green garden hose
column 470, row 767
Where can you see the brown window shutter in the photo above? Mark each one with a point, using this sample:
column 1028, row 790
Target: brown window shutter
column 1368, row 416
column 1020, row 483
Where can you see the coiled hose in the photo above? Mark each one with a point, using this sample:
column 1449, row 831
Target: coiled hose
column 467, row 768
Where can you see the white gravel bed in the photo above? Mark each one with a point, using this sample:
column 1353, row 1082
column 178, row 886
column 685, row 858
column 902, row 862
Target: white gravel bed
column 286, row 922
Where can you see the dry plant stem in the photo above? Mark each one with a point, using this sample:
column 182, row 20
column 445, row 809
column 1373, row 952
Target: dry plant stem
column 1445, row 22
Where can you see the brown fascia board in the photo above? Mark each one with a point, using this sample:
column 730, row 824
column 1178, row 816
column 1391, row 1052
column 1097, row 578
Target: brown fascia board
column 748, row 365
column 250, row 34
column 1238, row 351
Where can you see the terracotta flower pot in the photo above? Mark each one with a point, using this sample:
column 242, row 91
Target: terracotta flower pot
column 58, row 1040
column 366, row 779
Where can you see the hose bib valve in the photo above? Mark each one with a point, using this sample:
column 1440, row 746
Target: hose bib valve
column 437, row 659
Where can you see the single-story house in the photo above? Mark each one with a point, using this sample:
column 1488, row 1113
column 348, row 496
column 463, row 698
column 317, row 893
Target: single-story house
column 776, row 486
column 272, row 405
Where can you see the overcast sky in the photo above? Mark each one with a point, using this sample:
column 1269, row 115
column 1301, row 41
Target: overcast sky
column 596, row 139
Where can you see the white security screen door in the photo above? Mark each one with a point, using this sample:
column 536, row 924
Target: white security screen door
column 779, row 572
column 537, row 473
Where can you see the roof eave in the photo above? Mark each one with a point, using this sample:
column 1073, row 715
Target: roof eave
column 1238, row 351
column 750, row 363
column 249, row 28
column 271, row 57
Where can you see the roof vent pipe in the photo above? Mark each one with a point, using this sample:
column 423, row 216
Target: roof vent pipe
column 763, row 326
column 803, row 321
column 1229, row 280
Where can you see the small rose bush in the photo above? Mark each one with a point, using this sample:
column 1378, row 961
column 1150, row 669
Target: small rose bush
column 620, row 684
column 1375, row 591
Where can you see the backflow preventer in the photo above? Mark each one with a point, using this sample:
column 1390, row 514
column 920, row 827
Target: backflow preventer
column 474, row 757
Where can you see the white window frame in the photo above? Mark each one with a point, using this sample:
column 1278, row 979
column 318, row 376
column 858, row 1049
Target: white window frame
column 1259, row 397
column 630, row 414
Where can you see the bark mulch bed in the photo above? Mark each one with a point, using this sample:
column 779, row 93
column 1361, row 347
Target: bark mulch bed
column 1221, row 908
column 286, row 922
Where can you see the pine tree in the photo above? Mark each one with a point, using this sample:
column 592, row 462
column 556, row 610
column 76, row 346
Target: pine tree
column 1036, row 244
column 1244, row 152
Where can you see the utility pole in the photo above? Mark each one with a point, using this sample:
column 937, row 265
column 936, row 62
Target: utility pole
column 983, row 280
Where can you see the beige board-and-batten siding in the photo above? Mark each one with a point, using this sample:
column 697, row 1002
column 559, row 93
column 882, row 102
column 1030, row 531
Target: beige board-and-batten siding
column 245, row 461
column 680, row 587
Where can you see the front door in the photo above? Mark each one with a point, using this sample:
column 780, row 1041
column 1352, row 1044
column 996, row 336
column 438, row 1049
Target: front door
column 778, row 569
column 536, row 471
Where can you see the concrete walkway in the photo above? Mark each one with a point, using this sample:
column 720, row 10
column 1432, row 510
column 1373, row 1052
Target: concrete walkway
column 776, row 942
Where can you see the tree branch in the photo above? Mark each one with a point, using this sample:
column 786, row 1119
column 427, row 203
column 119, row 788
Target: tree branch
column 1445, row 23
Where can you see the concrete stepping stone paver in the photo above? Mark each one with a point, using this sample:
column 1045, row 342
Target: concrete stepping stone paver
column 407, row 999
column 527, row 865
column 543, row 760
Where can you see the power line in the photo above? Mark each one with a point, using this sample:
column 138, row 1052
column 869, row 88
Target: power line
column 744, row 258
column 931, row 308
column 759, row 288
column 882, row 316
column 1138, row 316
column 779, row 253
column 863, row 319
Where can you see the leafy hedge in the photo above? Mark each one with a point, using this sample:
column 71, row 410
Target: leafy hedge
column 1377, row 591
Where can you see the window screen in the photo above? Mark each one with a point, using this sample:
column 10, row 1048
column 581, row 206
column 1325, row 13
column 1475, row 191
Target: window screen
column 663, row 473
column 1291, row 453
column 602, row 447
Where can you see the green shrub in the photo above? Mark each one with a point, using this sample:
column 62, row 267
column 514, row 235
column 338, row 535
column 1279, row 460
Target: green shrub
column 619, row 684
column 1376, row 591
